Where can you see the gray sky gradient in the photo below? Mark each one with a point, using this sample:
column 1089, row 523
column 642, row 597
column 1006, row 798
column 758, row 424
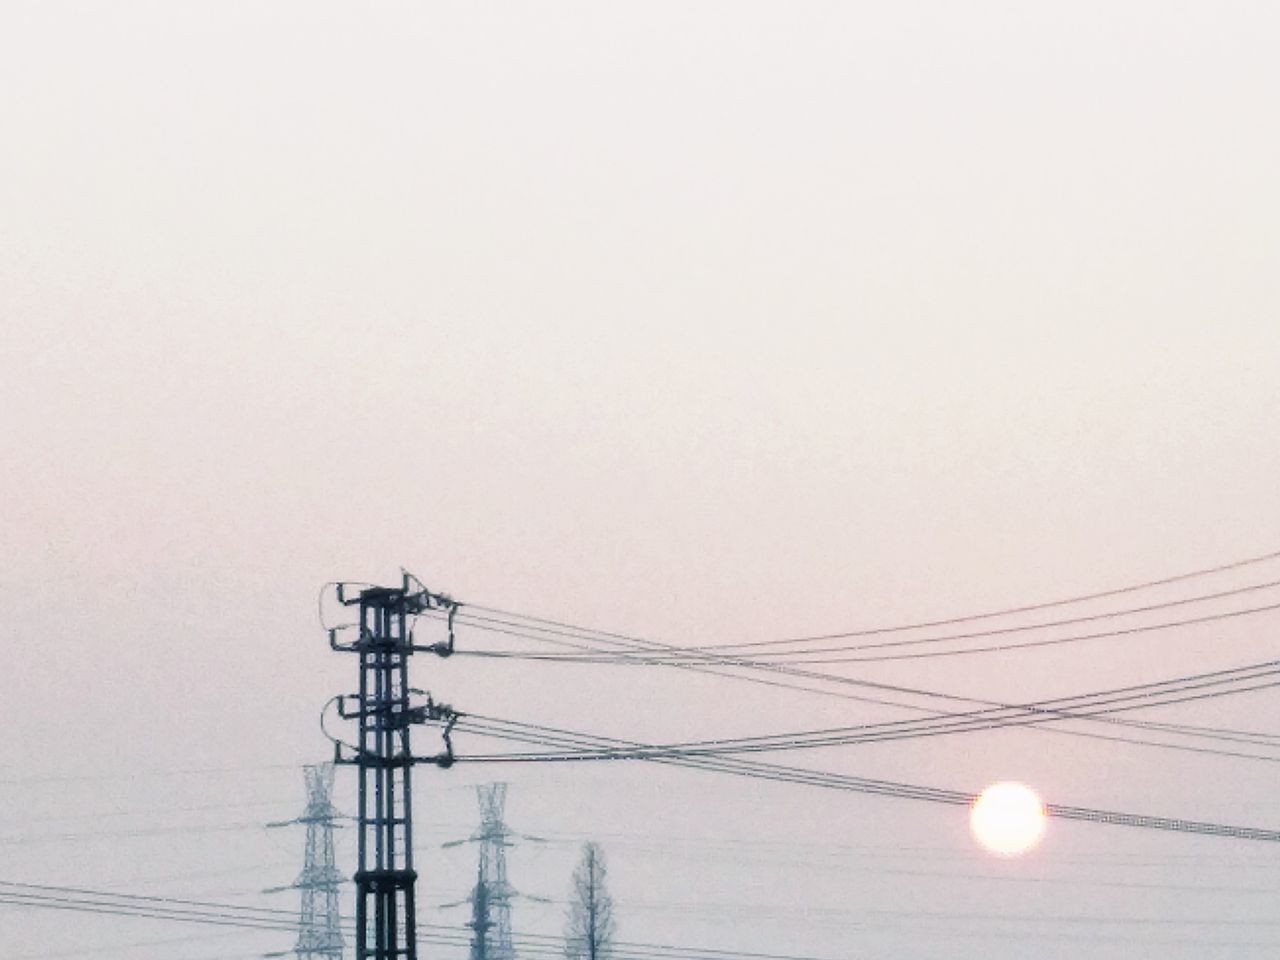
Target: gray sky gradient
column 710, row 322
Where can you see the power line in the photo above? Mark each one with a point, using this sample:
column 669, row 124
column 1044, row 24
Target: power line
column 143, row 775
column 729, row 663
column 843, row 857
column 546, row 946
column 551, row 736
column 966, row 618
column 913, row 729
column 707, row 654
column 1022, row 628
column 115, row 948
column 130, row 834
column 1148, row 694
column 201, row 911
column 156, row 811
column 1178, row 729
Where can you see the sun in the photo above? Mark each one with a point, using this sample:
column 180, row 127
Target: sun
column 1007, row 818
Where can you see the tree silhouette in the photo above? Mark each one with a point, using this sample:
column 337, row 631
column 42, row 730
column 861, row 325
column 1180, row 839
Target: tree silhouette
column 589, row 931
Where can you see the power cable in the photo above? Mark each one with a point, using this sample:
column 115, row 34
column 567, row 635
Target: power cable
column 841, row 680
column 551, row 736
column 966, row 618
column 200, row 911
column 1213, row 733
column 706, row 654
column 957, row 723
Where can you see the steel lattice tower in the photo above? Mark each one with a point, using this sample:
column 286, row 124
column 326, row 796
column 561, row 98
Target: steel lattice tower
column 319, row 917
column 385, row 877
column 493, row 893
column 494, row 840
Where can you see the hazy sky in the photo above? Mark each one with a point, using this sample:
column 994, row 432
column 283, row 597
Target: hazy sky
column 705, row 321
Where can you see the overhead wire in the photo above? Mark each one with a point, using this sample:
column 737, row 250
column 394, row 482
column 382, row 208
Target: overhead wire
column 569, row 742
column 134, row 945
column 542, row 735
column 656, row 653
column 130, row 834
column 726, row 664
column 1081, row 706
column 966, row 618
column 144, row 774
column 712, row 654
column 1002, row 631
column 265, row 918
column 1187, row 730
column 247, row 919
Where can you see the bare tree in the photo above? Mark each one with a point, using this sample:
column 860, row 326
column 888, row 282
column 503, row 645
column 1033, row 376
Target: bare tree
column 589, row 931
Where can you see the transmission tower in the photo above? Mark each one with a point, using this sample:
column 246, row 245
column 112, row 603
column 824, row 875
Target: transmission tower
column 493, row 839
column 386, row 711
column 319, row 919
column 492, row 896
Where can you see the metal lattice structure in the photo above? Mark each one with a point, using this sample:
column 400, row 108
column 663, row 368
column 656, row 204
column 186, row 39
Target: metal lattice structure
column 492, row 896
column 386, row 712
column 494, row 839
column 319, row 916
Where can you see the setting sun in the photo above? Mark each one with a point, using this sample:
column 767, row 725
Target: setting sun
column 1007, row 818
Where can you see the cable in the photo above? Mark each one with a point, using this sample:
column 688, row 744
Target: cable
column 225, row 914
column 967, row 618
column 129, row 834
column 144, row 774
column 1115, row 701
column 155, row 812
column 843, row 680
column 114, row 948
column 324, row 588
column 551, row 736
column 1212, row 733
column 1001, row 631
column 696, row 655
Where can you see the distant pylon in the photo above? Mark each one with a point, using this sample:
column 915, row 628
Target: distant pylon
column 319, row 917
column 494, row 840
column 491, row 898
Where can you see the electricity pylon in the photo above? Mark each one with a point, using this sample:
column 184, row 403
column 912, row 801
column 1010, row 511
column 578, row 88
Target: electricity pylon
column 384, row 708
column 491, row 898
column 319, row 918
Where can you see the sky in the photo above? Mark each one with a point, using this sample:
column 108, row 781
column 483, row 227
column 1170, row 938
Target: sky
column 707, row 322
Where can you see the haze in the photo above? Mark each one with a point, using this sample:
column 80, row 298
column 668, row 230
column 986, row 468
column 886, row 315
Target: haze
column 705, row 322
